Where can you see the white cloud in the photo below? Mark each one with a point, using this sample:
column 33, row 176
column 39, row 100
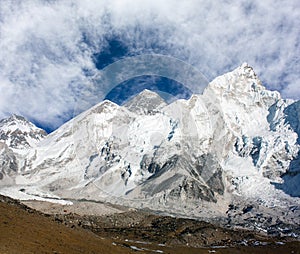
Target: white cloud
column 44, row 50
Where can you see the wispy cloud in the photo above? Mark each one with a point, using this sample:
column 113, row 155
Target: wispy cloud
column 47, row 47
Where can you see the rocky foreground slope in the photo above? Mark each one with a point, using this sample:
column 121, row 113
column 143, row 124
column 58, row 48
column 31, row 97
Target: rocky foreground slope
column 229, row 155
column 25, row 230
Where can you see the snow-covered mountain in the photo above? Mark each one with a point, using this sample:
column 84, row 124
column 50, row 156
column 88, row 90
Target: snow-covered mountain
column 17, row 136
column 18, row 133
column 237, row 143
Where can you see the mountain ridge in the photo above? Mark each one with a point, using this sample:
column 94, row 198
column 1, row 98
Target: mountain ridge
column 235, row 143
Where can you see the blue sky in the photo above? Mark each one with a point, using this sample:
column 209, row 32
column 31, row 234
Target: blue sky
column 51, row 52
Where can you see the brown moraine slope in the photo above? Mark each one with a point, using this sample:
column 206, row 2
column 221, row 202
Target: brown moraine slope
column 25, row 230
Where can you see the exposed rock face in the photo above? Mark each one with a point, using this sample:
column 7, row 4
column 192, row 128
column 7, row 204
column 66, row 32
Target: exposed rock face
column 8, row 160
column 178, row 179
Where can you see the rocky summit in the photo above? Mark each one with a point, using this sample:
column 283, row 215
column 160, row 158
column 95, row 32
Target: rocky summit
column 230, row 155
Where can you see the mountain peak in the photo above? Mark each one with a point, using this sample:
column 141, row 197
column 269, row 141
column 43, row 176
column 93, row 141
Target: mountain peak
column 13, row 119
column 146, row 102
column 17, row 132
column 148, row 93
column 248, row 71
column 242, row 85
column 104, row 106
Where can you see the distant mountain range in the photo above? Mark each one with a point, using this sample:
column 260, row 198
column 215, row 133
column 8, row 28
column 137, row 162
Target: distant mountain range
column 228, row 154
